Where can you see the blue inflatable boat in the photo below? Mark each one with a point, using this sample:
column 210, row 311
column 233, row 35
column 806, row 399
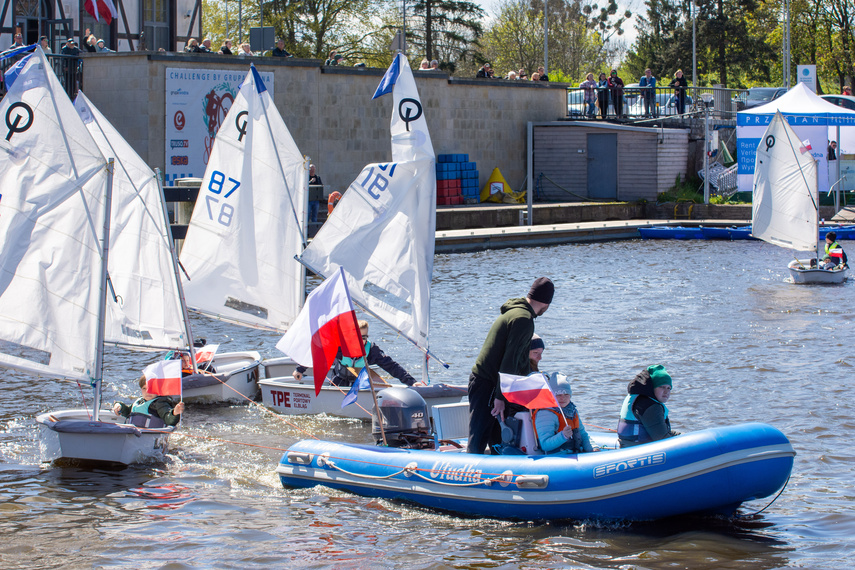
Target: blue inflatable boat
column 711, row 471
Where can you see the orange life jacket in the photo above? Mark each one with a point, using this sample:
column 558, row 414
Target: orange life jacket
column 562, row 421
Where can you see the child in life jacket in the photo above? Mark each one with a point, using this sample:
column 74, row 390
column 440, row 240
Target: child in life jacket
column 560, row 430
column 159, row 407
column 644, row 416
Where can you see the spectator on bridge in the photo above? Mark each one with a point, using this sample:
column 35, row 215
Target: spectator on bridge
column 434, row 65
column 679, row 84
column 192, row 46
column 70, row 48
column 543, row 75
column 102, row 47
column 90, row 42
column 18, row 42
column 334, row 58
column 603, row 95
column 226, row 48
column 245, row 50
column 424, row 65
column 279, row 50
column 43, row 41
column 512, row 75
column 589, row 87
column 535, row 76
column 486, row 71
column 522, row 75
column 206, row 46
column 648, row 92
column 616, row 92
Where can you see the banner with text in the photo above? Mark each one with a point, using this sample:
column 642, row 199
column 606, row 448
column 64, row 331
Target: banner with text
column 197, row 101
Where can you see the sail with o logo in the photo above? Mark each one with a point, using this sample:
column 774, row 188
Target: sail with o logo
column 382, row 231
column 247, row 225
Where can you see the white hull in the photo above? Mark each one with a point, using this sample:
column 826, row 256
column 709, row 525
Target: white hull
column 236, row 380
column 70, row 435
column 281, row 366
column 296, row 397
column 808, row 276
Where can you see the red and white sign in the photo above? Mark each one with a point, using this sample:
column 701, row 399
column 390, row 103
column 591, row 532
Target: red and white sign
column 326, row 323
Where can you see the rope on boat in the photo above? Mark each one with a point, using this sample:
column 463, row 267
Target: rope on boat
column 770, row 502
column 410, row 469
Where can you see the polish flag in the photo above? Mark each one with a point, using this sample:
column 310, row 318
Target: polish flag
column 805, row 146
column 163, row 378
column 326, row 323
column 106, row 9
column 836, row 252
column 205, row 354
column 531, row 391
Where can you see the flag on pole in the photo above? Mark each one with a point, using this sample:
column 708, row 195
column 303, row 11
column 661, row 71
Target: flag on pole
column 362, row 382
column 805, row 146
column 163, row 378
column 106, row 9
column 205, row 354
column 326, row 323
column 531, row 391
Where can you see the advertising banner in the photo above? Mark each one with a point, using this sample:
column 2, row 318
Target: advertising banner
column 197, row 101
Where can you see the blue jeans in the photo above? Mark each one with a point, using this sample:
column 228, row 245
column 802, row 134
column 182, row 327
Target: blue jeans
column 313, row 210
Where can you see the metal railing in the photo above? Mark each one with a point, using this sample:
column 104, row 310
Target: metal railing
column 638, row 103
column 68, row 68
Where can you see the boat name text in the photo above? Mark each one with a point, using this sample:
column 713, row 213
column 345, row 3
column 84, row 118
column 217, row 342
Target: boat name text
column 445, row 470
column 636, row 463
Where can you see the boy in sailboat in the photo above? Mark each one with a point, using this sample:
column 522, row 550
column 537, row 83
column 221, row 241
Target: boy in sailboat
column 345, row 370
column 834, row 255
column 149, row 410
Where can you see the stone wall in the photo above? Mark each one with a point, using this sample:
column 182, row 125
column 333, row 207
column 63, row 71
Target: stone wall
column 330, row 113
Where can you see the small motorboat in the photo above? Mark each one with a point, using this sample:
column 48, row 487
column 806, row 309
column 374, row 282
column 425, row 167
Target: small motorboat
column 731, row 232
column 711, row 471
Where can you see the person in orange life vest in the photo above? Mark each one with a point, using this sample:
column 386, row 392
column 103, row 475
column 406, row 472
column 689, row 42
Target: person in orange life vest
column 559, row 430
column 332, row 201
column 152, row 405
column 644, row 416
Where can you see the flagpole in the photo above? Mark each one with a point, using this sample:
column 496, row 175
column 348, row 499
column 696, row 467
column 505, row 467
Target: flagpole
column 376, row 404
column 378, row 317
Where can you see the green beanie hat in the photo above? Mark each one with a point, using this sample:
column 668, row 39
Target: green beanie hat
column 658, row 375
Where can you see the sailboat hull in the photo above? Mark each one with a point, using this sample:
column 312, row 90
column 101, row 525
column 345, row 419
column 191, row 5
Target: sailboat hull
column 296, row 397
column 235, row 380
column 802, row 274
column 70, row 435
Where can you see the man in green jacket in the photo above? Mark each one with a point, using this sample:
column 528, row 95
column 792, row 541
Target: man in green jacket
column 505, row 350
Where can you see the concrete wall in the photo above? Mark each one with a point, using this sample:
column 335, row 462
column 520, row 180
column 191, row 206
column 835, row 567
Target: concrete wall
column 330, row 113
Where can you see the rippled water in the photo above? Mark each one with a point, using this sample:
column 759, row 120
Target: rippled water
column 740, row 342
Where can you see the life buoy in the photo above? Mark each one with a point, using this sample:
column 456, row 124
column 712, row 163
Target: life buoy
column 332, row 201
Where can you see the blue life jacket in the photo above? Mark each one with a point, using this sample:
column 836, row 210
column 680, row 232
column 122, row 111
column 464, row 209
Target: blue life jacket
column 630, row 428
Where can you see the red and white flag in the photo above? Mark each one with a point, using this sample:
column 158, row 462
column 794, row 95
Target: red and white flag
column 205, row 354
column 531, row 391
column 163, row 378
column 326, row 323
column 836, row 252
column 805, row 146
column 106, row 9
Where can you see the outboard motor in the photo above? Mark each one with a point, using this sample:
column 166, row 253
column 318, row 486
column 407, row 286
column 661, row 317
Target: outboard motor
column 405, row 419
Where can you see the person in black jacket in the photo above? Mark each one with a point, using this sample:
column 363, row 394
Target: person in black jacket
column 679, row 84
column 345, row 370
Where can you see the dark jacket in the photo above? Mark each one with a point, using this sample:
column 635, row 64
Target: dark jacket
column 161, row 407
column 280, row 52
column 679, row 84
column 507, row 344
column 341, row 376
column 649, row 411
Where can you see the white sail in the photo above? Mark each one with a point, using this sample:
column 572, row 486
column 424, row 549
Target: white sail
column 785, row 202
column 247, row 225
column 382, row 231
column 144, row 309
column 53, row 185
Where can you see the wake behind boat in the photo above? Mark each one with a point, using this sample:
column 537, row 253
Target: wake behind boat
column 785, row 208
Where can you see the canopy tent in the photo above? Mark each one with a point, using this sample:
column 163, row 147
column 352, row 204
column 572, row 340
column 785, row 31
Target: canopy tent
column 814, row 120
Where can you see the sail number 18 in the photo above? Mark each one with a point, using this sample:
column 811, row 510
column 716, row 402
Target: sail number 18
column 219, row 210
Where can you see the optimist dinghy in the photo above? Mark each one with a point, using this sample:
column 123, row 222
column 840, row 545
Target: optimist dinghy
column 64, row 207
column 785, row 208
column 711, row 471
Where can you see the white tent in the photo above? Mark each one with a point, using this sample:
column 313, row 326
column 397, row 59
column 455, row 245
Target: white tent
column 814, row 120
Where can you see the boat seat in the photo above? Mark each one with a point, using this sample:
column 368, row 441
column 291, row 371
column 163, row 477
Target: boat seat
column 451, row 421
column 527, row 443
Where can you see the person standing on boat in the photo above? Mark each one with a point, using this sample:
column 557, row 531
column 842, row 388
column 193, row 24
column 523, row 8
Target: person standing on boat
column 644, row 416
column 314, row 205
column 345, row 370
column 153, row 406
column 834, row 254
column 559, row 430
column 506, row 349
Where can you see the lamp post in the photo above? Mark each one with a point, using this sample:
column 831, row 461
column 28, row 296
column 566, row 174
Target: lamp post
column 694, row 48
column 707, row 98
column 545, row 37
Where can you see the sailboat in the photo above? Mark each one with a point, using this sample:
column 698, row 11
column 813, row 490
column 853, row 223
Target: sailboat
column 382, row 234
column 785, row 210
column 63, row 208
column 247, row 227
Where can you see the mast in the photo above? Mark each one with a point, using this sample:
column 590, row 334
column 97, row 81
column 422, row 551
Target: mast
column 102, row 299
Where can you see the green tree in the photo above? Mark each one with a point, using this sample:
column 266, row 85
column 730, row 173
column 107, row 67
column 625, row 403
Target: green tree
column 445, row 30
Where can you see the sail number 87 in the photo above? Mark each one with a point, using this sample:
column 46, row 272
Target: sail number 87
column 218, row 210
